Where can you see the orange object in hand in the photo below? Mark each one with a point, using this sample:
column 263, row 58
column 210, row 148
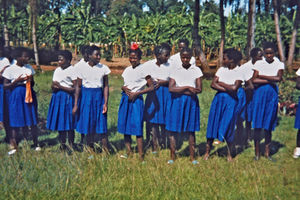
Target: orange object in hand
column 28, row 95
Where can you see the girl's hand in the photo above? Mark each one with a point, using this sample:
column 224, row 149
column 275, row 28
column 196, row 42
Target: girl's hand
column 21, row 79
column 104, row 109
column 56, row 85
column 133, row 96
column 156, row 84
column 193, row 90
column 74, row 110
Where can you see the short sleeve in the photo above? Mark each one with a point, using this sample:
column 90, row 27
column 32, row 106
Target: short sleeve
column 125, row 73
column 198, row 72
column 106, row 70
column 31, row 69
column 281, row 66
column 54, row 78
column 298, row 72
column 6, row 74
column 219, row 72
column 73, row 73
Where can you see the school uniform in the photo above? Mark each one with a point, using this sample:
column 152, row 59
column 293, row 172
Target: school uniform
column 223, row 109
column 130, row 115
column 156, row 101
column 297, row 119
column 183, row 111
column 3, row 63
column 244, row 99
column 91, row 119
column 21, row 114
column 60, row 116
column 265, row 97
column 175, row 60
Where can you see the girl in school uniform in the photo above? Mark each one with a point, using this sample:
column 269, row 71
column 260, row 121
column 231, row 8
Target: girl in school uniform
column 130, row 115
column 297, row 120
column 245, row 93
column 222, row 114
column 60, row 116
column 93, row 80
column 174, row 59
column 78, row 67
column 156, row 101
column 267, row 73
column 22, row 110
column 4, row 63
column 183, row 112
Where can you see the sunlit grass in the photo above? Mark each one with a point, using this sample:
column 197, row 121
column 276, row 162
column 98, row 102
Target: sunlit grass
column 52, row 174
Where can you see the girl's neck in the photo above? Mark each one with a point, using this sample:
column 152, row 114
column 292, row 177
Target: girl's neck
column 92, row 64
column 65, row 66
column 135, row 66
column 158, row 63
column 232, row 66
column 186, row 66
column 19, row 65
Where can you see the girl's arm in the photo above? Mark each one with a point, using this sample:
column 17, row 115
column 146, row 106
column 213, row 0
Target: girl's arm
column 181, row 90
column 105, row 93
column 257, row 80
column 216, row 86
column 249, row 85
column 56, row 86
column 231, row 88
column 298, row 83
column 133, row 95
column 162, row 82
column 126, row 90
column 198, row 88
column 277, row 78
column 1, row 72
column 77, row 85
column 7, row 84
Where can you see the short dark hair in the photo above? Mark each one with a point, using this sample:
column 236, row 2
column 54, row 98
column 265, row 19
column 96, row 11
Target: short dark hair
column 234, row 55
column 159, row 49
column 186, row 49
column 66, row 54
column 17, row 52
column 185, row 41
column 254, row 52
column 268, row 45
column 89, row 50
column 83, row 48
column 137, row 51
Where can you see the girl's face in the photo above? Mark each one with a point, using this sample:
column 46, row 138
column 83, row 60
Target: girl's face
column 258, row 56
column 181, row 46
column 269, row 54
column 164, row 56
column 133, row 59
column 95, row 57
column 63, row 62
column 226, row 60
column 23, row 60
column 185, row 59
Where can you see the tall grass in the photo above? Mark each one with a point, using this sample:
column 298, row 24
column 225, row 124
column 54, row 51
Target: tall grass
column 52, row 174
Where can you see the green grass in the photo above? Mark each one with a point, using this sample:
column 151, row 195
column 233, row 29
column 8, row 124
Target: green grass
column 52, row 174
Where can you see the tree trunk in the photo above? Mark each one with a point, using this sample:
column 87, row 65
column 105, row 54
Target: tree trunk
column 196, row 46
column 5, row 29
column 222, row 43
column 293, row 38
column 251, row 28
column 33, row 11
column 278, row 34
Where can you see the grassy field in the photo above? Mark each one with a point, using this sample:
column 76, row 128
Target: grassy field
column 52, row 174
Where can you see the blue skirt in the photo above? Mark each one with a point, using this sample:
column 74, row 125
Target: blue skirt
column 297, row 119
column 265, row 106
column 60, row 116
column 156, row 105
column 22, row 114
column 222, row 117
column 130, row 116
column 1, row 103
column 240, row 108
column 91, row 119
column 183, row 113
